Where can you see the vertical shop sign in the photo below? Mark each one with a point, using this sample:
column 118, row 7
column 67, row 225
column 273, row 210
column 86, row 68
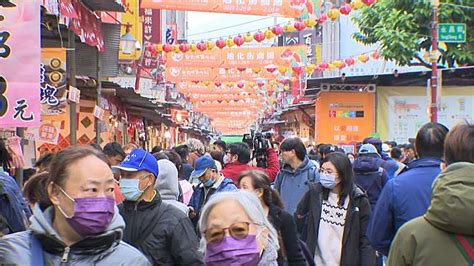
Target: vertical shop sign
column 53, row 81
column 151, row 32
column 19, row 64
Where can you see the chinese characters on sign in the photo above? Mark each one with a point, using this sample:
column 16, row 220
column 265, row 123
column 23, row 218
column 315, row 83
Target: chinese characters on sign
column 19, row 64
column 151, row 34
column 53, row 89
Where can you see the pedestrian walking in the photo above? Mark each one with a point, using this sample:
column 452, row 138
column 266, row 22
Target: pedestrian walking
column 158, row 229
column 297, row 173
column 444, row 235
column 369, row 174
column 115, row 155
column 290, row 252
column 167, row 184
column 408, row 195
column 211, row 182
column 333, row 216
column 82, row 226
column 236, row 231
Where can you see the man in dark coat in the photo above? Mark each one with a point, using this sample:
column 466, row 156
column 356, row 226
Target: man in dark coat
column 161, row 231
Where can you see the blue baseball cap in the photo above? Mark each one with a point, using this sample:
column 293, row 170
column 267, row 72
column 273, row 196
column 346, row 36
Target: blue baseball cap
column 202, row 164
column 368, row 149
column 139, row 160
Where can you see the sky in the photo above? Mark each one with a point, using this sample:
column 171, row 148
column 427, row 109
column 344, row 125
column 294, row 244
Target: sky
column 204, row 26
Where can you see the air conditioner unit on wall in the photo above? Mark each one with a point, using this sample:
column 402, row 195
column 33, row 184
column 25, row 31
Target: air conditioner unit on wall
column 371, row 88
column 325, row 87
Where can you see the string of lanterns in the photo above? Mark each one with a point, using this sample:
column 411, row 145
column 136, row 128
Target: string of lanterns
column 259, row 36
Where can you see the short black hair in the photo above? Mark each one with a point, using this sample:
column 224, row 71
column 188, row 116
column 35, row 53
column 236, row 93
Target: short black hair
column 242, row 150
column 114, row 149
column 174, row 158
column 183, row 151
column 44, row 160
column 396, row 153
column 430, row 140
column 296, row 144
column 221, row 144
column 156, row 149
column 160, row 156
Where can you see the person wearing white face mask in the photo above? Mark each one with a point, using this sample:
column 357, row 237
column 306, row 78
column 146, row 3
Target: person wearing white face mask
column 332, row 216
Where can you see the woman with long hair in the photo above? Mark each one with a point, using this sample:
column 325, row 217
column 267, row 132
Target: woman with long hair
column 290, row 252
column 333, row 216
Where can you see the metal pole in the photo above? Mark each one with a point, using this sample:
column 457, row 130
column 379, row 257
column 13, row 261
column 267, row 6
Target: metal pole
column 71, row 70
column 20, row 132
column 99, row 89
column 434, row 62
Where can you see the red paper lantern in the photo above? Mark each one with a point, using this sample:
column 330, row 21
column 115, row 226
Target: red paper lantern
column 349, row 61
column 277, row 30
column 260, row 83
column 297, row 69
column 167, row 47
column 345, row 9
column 183, row 47
column 259, row 36
column 322, row 18
column 299, row 25
column 271, row 68
column 238, row 40
column 240, row 84
column 217, row 83
column 323, row 66
column 241, row 69
column 220, row 43
column 368, row 2
column 201, row 46
column 375, row 55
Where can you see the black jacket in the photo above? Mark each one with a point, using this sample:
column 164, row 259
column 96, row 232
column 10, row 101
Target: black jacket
column 355, row 247
column 161, row 231
column 286, row 227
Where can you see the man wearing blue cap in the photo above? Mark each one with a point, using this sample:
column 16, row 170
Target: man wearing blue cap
column 212, row 181
column 161, row 231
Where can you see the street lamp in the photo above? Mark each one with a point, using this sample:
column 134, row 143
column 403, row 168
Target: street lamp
column 128, row 43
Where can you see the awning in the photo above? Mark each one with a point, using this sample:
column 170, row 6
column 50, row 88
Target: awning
column 104, row 5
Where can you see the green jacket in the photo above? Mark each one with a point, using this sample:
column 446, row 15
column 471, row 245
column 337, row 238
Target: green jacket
column 429, row 240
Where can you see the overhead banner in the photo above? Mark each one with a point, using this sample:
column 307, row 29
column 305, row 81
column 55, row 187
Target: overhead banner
column 240, row 57
column 53, row 78
column 283, row 8
column 178, row 74
column 20, row 54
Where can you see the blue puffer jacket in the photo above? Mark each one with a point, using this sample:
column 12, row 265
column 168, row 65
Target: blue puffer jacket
column 403, row 198
column 293, row 184
column 13, row 207
column 370, row 176
column 389, row 164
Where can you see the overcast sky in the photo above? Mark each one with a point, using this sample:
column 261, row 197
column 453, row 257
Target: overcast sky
column 223, row 25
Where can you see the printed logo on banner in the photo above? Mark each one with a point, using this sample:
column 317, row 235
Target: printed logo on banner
column 19, row 50
column 48, row 132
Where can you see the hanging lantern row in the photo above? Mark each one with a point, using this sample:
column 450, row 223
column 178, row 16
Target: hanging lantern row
column 260, row 35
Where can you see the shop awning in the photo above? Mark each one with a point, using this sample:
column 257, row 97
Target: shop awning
column 104, row 5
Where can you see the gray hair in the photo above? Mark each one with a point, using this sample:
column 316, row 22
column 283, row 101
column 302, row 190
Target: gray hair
column 251, row 205
column 195, row 145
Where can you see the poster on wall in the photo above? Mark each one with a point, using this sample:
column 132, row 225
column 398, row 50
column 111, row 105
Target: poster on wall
column 409, row 113
column 53, row 78
column 344, row 117
column 19, row 64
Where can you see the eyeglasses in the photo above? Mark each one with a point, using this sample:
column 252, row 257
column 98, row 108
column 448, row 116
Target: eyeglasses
column 236, row 230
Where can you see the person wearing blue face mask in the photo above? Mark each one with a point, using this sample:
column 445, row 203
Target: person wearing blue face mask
column 158, row 229
column 212, row 181
column 332, row 216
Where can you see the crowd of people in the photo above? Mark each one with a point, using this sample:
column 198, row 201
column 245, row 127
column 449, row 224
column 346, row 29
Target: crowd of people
column 384, row 203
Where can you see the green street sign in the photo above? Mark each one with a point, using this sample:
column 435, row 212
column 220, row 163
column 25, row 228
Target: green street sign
column 452, row 32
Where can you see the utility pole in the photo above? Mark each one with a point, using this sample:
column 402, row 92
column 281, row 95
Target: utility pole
column 434, row 62
column 71, row 71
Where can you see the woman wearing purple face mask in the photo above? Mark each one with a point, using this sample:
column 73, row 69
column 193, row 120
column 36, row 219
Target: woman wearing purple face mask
column 81, row 225
column 235, row 231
